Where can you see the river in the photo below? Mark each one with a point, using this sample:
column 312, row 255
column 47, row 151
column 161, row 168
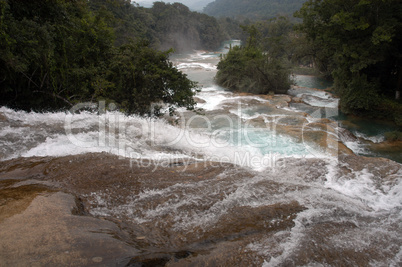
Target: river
column 248, row 181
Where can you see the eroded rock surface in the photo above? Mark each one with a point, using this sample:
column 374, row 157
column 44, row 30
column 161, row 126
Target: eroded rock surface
column 97, row 209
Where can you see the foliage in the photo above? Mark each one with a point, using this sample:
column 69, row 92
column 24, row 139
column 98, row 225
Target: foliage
column 277, row 37
column 55, row 53
column 231, row 28
column 249, row 69
column 142, row 76
column 389, row 109
column 357, row 42
column 178, row 27
column 252, row 9
column 164, row 25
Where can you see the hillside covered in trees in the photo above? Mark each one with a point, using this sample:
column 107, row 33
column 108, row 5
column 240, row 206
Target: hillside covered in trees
column 164, row 25
column 252, row 9
column 55, row 53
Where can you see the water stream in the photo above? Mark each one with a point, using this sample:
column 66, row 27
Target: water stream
column 276, row 186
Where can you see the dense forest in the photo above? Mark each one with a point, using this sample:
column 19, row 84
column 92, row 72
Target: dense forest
column 358, row 44
column 164, row 25
column 252, row 9
column 55, row 53
column 355, row 43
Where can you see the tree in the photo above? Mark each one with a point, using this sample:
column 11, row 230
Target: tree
column 55, row 53
column 249, row 69
column 143, row 77
column 358, row 42
column 179, row 28
column 51, row 51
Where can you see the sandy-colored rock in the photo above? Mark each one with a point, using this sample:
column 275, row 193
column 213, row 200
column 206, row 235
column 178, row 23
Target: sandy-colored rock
column 3, row 118
column 47, row 233
column 296, row 99
column 199, row 100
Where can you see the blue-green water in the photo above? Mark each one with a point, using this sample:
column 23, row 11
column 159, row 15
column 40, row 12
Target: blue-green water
column 366, row 128
column 312, row 82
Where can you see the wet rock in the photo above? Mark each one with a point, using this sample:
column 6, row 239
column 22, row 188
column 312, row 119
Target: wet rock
column 47, row 233
column 387, row 146
column 158, row 259
column 320, row 247
column 280, row 101
column 385, row 171
column 3, row 118
column 192, row 214
column 320, row 102
column 199, row 100
column 321, row 134
column 243, row 94
column 97, row 259
column 305, row 108
column 14, row 200
column 247, row 221
column 346, row 136
column 296, row 99
column 292, row 121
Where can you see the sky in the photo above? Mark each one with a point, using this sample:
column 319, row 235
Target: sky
column 197, row 5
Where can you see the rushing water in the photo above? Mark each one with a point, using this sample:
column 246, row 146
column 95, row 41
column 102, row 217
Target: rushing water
column 283, row 195
column 367, row 131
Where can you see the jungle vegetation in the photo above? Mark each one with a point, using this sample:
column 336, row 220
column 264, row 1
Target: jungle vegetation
column 262, row 65
column 255, row 10
column 358, row 44
column 55, row 53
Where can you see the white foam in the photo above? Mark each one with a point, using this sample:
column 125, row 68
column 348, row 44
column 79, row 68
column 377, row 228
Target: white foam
column 357, row 147
column 136, row 137
column 321, row 102
column 300, row 91
column 375, row 139
column 362, row 185
column 32, row 118
column 212, row 101
column 205, row 66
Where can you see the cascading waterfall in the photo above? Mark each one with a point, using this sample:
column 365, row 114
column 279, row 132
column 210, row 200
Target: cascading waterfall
column 281, row 196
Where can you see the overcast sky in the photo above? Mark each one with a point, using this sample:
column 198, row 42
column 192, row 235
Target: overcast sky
column 192, row 4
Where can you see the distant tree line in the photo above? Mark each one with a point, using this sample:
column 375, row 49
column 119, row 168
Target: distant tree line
column 164, row 25
column 254, row 10
column 55, row 53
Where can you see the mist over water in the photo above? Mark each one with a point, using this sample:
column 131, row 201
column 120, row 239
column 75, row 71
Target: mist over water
column 280, row 196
